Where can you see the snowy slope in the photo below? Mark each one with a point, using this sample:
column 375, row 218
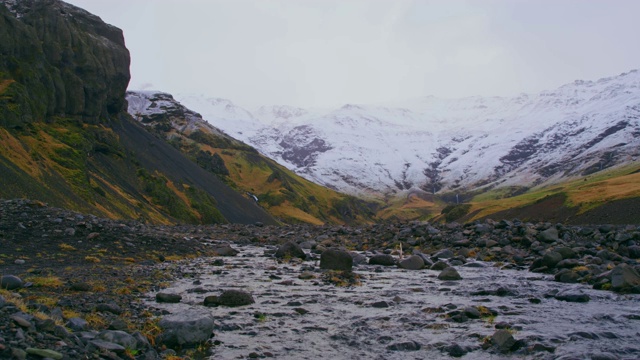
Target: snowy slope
column 446, row 144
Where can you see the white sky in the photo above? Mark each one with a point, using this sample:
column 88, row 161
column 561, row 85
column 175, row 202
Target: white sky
column 319, row 53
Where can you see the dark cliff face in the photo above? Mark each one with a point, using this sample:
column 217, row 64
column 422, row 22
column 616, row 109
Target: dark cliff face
column 59, row 60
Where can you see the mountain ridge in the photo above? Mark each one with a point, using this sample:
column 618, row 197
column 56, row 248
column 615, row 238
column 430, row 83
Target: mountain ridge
column 433, row 145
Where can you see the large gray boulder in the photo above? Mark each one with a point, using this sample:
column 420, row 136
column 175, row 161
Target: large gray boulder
column 413, row 262
column 335, row 259
column 290, row 250
column 186, row 328
column 119, row 337
column 548, row 236
column 624, row 277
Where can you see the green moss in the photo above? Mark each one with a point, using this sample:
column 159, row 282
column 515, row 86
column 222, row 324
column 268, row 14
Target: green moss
column 454, row 212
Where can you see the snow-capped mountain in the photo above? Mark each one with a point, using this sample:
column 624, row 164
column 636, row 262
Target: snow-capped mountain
column 440, row 145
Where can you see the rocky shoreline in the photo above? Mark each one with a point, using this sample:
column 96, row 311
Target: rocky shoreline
column 87, row 287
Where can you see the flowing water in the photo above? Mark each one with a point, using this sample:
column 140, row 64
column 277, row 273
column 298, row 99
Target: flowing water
column 308, row 319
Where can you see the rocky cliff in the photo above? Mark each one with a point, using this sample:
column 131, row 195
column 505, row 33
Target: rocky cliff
column 65, row 135
column 58, row 59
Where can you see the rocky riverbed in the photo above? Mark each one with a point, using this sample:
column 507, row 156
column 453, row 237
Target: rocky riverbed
column 77, row 286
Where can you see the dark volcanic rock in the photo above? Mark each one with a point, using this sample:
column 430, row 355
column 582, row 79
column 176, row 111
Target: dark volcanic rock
column 168, row 298
column 290, row 249
column 382, row 259
column 234, row 298
column 624, row 277
column 503, row 341
column 10, row 282
column 185, row 328
column 413, row 262
column 405, row 346
column 449, row 273
column 334, row 259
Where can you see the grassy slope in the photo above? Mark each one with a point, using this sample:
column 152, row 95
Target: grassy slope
column 580, row 195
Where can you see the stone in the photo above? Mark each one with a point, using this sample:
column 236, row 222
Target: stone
column 290, row 250
column 45, row 353
column 118, row 337
column 570, row 295
column 551, row 259
column 472, row 312
column 456, row 350
column 334, row 259
column 225, row 250
column 549, row 236
column 186, row 328
column 168, row 298
column 80, row 286
column 449, row 273
column 110, row 308
column 566, row 252
column 382, row 259
column 235, row 298
column 443, row 254
column 624, row 277
column 405, row 346
column 2, row 301
column 503, row 341
column 440, row 265
column 380, row 304
column 10, row 282
column 107, row 346
column 413, row 262
column 358, row 259
column 567, row 276
column 634, row 251
column 211, row 300
column 22, row 322
column 77, row 324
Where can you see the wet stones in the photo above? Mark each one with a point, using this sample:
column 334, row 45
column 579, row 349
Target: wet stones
column 503, row 341
column 334, row 259
column 625, row 278
column 168, row 298
column 548, row 236
column 10, row 282
column 186, row 328
column 550, row 259
column 45, row 353
column 77, row 324
column 413, row 262
column 231, row 298
column 405, row 346
column 570, row 295
column 449, row 273
column 290, row 250
column 225, row 250
column 382, row 259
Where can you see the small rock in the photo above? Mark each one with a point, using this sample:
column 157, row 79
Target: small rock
column 118, row 337
column 572, row 296
column 449, row 273
column 185, row 328
column 225, row 250
column 443, row 254
column 440, row 265
column 45, row 353
column 107, row 346
column 551, row 259
column 10, row 282
column 503, row 341
column 382, row 259
column 456, row 350
column 110, row 308
column 235, row 298
column 414, row 262
column 380, row 304
column 405, row 346
column 334, row 259
column 77, row 324
column 306, row 276
column 548, row 236
column 19, row 262
column 290, row 249
column 21, row 321
column 567, row 276
column 168, row 298
column 624, row 277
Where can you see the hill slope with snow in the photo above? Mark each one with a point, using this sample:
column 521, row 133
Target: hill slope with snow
column 442, row 145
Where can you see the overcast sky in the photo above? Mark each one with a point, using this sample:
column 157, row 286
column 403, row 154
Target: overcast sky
column 318, row 53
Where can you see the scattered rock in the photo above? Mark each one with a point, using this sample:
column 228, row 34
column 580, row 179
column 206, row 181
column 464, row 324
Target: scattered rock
column 382, row 259
column 290, row 250
column 10, row 282
column 440, row 265
column 77, row 324
column 549, row 236
column 225, row 250
column 503, row 341
column 334, row 259
column 449, row 273
column 168, row 298
column 45, row 353
column 233, row 298
column 624, row 278
column 186, row 328
column 413, row 262
column 570, row 295
column 405, row 346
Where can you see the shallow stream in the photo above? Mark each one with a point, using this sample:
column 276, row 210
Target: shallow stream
column 308, row 319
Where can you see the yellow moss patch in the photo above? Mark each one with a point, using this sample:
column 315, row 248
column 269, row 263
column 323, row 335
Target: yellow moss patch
column 91, row 259
column 45, row 281
column 66, row 247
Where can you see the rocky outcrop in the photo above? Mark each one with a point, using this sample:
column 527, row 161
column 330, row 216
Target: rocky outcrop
column 61, row 60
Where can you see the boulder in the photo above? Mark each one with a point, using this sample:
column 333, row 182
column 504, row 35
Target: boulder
column 10, row 282
column 77, row 324
column 168, row 298
column 233, row 298
column 503, row 341
column 290, row 250
column 440, row 265
column 624, row 277
column 413, row 262
column 186, row 328
column 225, row 250
column 335, row 259
column 382, row 259
column 449, row 273
column 118, row 337
column 551, row 259
column 405, row 346
column 567, row 276
column 571, row 295
column 549, row 236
